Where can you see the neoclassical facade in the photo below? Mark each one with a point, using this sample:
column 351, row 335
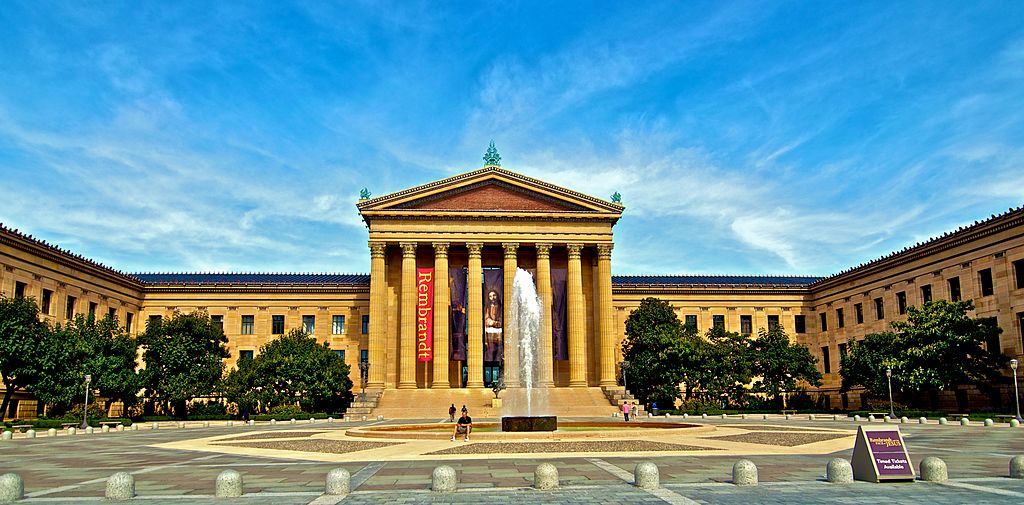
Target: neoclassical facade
column 432, row 312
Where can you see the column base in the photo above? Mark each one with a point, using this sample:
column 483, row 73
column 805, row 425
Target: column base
column 578, row 384
column 607, row 383
column 407, row 386
column 475, row 386
column 440, row 385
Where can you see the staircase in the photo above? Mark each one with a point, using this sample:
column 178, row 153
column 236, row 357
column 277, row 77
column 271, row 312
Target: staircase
column 433, row 403
column 618, row 394
column 364, row 406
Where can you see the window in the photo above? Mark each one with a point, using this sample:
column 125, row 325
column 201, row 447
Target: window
column 366, row 325
column 926, row 293
column 824, row 321
column 691, row 321
column 19, row 289
column 309, row 324
column 842, row 350
column 112, row 312
column 128, row 318
column 985, row 276
column 340, row 353
column 245, row 354
column 746, row 325
column 364, row 355
column 840, row 320
column 879, row 309
column 218, row 321
column 46, row 298
column 1020, row 326
column 954, row 289
column 69, row 308
column 248, row 323
column 901, row 302
column 1018, row 273
column 800, row 324
column 825, row 362
column 773, row 322
column 337, row 325
column 718, row 322
column 277, row 325
column 92, row 309
column 858, row 310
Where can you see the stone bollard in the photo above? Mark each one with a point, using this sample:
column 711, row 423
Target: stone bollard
column 686, row 415
column 231, row 424
column 788, row 417
column 120, row 428
column 545, row 476
column 703, row 416
column 120, row 486
column 904, row 420
column 964, row 421
column 154, row 426
column 1014, row 423
column 667, row 415
column 810, row 417
column 989, row 422
column 30, row 433
column 229, row 484
column 922, row 420
column 330, row 420
column 312, row 420
column 364, row 418
column 444, row 479
column 105, row 429
column 72, row 430
column 942, row 420
column 725, row 416
column 292, row 420
column 206, row 424
column 7, row 435
column 380, row 418
column 835, row 417
column 646, row 475
column 933, row 470
column 764, row 417
column 52, row 432
column 839, row 471
column 871, row 418
column 135, row 427
column 12, row 488
column 743, row 416
column 339, row 482
column 1017, row 467
column 273, row 422
column 856, row 418
column 885, row 419
column 181, row 425
column 744, row 473
column 90, row 430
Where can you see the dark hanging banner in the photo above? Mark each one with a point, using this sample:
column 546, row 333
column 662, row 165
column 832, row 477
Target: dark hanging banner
column 457, row 292
column 494, row 314
column 559, row 331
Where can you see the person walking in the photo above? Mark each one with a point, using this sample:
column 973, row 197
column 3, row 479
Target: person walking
column 633, row 411
column 451, row 414
column 625, row 411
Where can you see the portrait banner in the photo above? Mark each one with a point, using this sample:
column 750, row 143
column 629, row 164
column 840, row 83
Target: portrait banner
column 494, row 313
column 457, row 321
column 424, row 314
column 559, row 329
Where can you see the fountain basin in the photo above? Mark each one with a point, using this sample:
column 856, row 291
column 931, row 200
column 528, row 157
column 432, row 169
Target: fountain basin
column 529, row 423
column 567, row 430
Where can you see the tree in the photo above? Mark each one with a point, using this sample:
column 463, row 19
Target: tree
column 655, row 350
column 866, row 361
column 781, row 363
column 21, row 337
column 290, row 369
column 726, row 365
column 183, row 357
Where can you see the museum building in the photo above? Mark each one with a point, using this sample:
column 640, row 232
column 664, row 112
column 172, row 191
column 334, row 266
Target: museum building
column 443, row 257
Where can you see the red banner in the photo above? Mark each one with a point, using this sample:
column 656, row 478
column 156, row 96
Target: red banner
column 424, row 314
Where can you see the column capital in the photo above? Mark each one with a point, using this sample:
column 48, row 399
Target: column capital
column 604, row 251
column 377, row 249
column 543, row 249
column 475, row 248
column 510, row 248
column 408, row 249
column 440, row 248
column 574, row 250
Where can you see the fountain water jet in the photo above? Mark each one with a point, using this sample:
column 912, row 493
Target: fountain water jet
column 523, row 332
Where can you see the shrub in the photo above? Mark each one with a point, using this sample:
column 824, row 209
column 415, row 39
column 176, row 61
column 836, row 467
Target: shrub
column 206, row 409
column 75, row 414
column 700, row 406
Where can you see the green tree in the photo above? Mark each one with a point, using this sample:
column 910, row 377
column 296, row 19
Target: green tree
column 726, row 365
column 655, row 350
column 866, row 361
column 183, row 358
column 290, row 369
column 21, row 337
column 781, row 364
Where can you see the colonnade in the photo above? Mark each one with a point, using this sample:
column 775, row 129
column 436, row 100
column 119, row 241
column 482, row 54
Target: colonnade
column 379, row 334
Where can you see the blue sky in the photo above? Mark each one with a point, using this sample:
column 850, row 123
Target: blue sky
column 763, row 137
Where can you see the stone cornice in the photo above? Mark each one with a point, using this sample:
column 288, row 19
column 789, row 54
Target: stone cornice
column 257, row 288
column 47, row 251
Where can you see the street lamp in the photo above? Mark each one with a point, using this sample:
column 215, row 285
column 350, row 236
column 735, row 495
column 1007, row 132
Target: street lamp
column 364, row 367
column 1016, row 395
column 624, row 365
column 85, row 408
column 888, row 375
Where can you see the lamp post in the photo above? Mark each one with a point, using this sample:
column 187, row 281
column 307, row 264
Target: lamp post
column 364, row 367
column 85, row 407
column 624, row 365
column 1016, row 395
column 888, row 376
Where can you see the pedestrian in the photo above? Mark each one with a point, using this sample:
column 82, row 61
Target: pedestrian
column 625, row 411
column 633, row 411
column 464, row 426
column 451, row 414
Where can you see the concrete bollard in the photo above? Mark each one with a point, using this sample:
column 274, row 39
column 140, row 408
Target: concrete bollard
column 810, row 417
column 154, row 426
column 231, row 424
column 105, row 429
column 339, row 482
column 380, row 418
column 886, row 419
column 364, row 418
column 30, row 434
column 330, row 420
column 764, row 416
column 120, row 428
column 743, row 416
column 545, row 476
column 206, row 424
column 444, row 479
column 686, row 415
column 1014, row 423
column 933, row 470
column 839, row 471
column 964, row 421
column 989, row 422
column 312, row 420
column 922, row 420
column 12, row 488
column 72, row 430
column 229, row 484
column 744, row 473
column 1017, row 467
column 667, row 415
column 904, row 420
column 52, row 432
column 835, row 417
column 646, row 475
column 725, row 416
column 942, row 420
column 120, row 486
column 135, row 427
column 856, row 418
column 273, row 422
column 7, row 435
column 871, row 418
column 703, row 416
column 90, row 430
column 788, row 417
column 292, row 420
column 181, row 425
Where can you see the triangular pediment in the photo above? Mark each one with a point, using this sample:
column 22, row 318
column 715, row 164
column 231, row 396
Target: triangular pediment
column 489, row 190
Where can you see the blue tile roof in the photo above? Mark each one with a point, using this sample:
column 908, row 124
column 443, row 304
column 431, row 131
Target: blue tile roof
column 713, row 280
column 332, row 279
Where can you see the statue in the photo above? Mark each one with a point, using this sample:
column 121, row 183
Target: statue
column 491, row 157
column 364, row 194
column 616, row 197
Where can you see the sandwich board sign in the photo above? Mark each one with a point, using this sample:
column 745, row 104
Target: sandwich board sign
column 881, row 455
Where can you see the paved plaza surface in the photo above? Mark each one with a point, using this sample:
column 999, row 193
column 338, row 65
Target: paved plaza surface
column 288, row 464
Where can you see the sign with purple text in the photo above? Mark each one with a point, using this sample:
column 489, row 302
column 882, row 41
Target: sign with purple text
column 880, row 454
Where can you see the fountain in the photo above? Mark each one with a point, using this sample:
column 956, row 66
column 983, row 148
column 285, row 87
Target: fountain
column 522, row 333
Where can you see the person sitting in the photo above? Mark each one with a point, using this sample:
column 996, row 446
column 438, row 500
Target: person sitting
column 463, row 426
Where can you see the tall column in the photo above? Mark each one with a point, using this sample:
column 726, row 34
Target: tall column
column 407, row 347
column 475, row 317
column 441, row 312
column 511, row 370
column 544, row 363
column 378, row 315
column 606, row 314
column 577, row 339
